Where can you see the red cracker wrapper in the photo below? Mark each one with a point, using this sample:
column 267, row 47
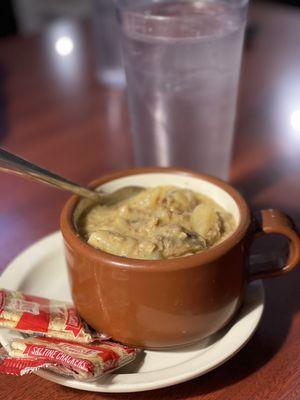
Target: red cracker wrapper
column 50, row 318
column 19, row 366
column 82, row 361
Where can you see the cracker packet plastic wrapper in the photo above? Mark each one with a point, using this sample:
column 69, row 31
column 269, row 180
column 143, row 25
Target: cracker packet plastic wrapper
column 85, row 362
column 50, row 318
column 18, row 367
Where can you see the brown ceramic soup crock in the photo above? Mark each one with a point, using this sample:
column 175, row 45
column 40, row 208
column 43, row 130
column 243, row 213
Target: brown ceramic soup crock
column 162, row 303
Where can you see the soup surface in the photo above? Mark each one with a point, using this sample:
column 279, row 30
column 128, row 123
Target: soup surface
column 158, row 223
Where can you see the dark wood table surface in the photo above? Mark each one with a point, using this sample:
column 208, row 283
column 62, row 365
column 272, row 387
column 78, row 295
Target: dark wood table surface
column 53, row 112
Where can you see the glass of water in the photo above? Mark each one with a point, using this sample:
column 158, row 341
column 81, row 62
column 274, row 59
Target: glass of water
column 182, row 60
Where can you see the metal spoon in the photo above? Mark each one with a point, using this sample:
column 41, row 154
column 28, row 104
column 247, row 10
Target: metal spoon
column 13, row 164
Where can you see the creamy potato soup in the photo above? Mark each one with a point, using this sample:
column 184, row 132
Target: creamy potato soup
column 158, row 223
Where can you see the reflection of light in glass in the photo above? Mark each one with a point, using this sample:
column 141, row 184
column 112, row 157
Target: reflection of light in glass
column 64, row 46
column 161, row 133
column 295, row 120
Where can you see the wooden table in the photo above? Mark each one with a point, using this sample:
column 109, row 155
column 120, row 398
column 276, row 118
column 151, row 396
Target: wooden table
column 53, row 112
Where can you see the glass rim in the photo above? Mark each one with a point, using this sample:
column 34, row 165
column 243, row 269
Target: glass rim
column 134, row 11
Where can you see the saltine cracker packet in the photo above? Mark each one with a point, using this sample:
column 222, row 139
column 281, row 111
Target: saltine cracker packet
column 40, row 316
column 84, row 362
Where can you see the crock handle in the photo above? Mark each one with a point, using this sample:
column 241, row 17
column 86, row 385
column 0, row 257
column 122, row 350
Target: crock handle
column 275, row 221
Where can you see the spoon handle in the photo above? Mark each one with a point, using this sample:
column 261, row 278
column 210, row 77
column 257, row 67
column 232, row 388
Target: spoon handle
column 16, row 165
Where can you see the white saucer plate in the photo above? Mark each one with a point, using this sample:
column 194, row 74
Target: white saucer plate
column 40, row 270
